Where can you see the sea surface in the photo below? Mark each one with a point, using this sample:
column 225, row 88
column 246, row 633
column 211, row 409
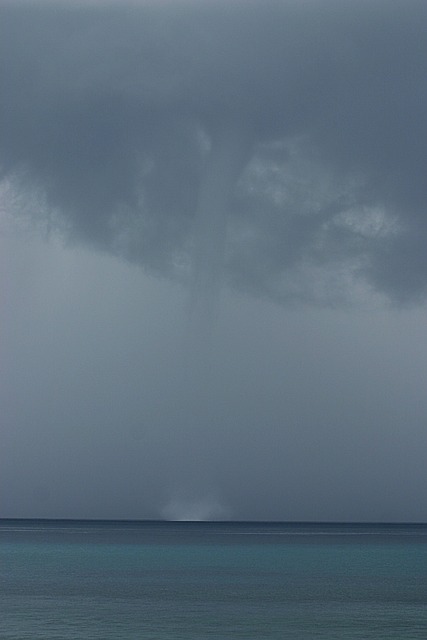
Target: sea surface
column 72, row 580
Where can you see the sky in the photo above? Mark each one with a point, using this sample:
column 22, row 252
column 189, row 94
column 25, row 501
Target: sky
column 213, row 270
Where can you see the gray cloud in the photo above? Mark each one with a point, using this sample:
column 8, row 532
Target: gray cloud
column 138, row 130
column 109, row 112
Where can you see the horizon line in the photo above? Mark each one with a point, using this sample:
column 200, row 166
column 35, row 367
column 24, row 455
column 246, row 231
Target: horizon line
column 166, row 521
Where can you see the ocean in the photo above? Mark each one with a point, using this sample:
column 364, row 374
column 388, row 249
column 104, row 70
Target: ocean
column 115, row 580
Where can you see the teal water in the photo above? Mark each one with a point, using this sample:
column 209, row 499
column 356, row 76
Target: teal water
column 156, row 580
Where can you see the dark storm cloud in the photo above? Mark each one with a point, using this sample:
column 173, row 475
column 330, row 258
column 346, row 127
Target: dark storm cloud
column 110, row 112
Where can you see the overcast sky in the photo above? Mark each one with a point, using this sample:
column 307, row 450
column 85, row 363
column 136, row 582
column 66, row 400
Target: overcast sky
column 128, row 135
